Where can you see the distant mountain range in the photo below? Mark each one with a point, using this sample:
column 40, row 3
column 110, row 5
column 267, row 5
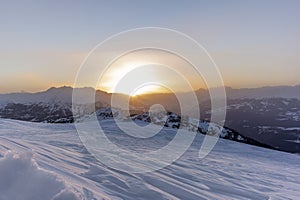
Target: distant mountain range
column 64, row 94
column 269, row 115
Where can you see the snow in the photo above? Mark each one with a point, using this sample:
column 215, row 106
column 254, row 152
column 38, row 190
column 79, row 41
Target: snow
column 281, row 128
column 48, row 161
column 294, row 141
column 22, row 179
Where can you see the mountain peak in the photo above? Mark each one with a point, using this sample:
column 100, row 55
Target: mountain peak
column 59, row 88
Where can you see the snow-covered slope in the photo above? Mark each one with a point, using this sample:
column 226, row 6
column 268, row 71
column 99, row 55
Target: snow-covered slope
column 175, row 121
column 48, row 161
column 19, row 169
column 266, row 116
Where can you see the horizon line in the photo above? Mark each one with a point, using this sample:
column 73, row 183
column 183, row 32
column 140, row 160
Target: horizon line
column 150, row 93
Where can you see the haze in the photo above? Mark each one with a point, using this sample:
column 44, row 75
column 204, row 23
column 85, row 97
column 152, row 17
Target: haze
column 254, row 43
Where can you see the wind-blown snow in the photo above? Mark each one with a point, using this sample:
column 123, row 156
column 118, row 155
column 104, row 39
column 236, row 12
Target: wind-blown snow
column 48, row 161
column 21, row 179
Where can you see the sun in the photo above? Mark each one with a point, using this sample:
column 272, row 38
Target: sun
column 134, row 79
column 147, row 89
column 132, row 74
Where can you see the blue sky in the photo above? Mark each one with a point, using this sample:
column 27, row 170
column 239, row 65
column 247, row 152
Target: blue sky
column 43, row 43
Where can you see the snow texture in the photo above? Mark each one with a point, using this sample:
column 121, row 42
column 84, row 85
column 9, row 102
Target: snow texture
column 21, row 179
column 48, row 161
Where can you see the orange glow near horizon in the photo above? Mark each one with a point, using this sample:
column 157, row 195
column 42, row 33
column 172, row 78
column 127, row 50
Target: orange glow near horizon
column 148, row 89
column 150, row 71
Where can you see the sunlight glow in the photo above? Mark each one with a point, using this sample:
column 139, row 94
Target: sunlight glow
column 129, row 77
column 130, row 73
column 147, row 89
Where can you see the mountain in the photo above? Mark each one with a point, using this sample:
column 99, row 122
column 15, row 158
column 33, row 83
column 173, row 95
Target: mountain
column 53, row 95
column 272, row 121
column 53, row 105
column 38, row 112
column 265, row 92
column 170, row 102
column 64, row 95
column 268, row 115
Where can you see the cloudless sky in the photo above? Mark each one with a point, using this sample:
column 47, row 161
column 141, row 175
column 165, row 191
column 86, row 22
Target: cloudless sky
column 42, row 43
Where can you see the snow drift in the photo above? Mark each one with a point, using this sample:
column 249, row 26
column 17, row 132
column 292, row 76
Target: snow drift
column 22, row 179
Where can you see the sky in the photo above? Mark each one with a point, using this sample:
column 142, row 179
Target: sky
column 43, row 43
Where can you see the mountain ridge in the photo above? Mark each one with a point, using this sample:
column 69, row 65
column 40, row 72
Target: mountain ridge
column 267, row 119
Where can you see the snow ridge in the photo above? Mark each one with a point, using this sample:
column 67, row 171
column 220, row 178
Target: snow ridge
column 22, row 179
column 175, row 121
